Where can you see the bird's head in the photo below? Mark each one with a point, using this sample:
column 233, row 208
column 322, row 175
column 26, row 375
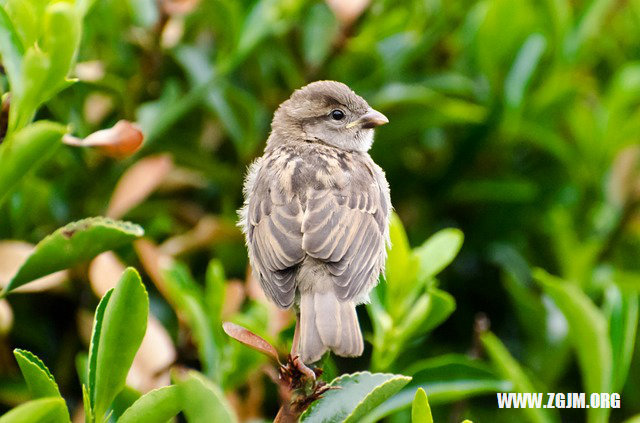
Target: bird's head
column 328, row 112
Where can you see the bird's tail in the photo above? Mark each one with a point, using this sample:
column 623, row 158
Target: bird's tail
column 327, row 323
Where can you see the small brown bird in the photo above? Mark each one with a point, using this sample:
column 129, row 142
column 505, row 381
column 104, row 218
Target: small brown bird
column 316, row 215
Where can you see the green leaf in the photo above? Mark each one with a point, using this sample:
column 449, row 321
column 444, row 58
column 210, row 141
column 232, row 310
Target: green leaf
column 259, row 23
column 92, row 360
column 123, row 401
column 74, row 243
column 634, row 419
column 429, row 311
column 187, row 295
column 445, row 109
column 320, row 30
column 214, row 294
column 25, row 151
column 438, row 252
column 621, row 310
column 446, row 379
column 442, row 305
column 86, row 403
column 61, row 46
column 145, row 13
column 589, row 335
column 43, row 410
column 203, row 401
column 401, row 270
column 158, row 405
column 587, row 27
column 510, row 369
column 359, row 393
column 524, row 66
column 39, row 379
column 420, row 410
column 11, row 51
column 84, row 6
column 27, row 96
column 123, row 327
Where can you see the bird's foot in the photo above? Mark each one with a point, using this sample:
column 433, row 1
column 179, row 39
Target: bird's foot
column 307, row 371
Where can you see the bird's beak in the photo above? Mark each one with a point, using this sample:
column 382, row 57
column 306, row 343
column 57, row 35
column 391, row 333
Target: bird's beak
column 369, row 120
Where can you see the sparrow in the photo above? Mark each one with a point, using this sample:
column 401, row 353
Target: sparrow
column 316, row 215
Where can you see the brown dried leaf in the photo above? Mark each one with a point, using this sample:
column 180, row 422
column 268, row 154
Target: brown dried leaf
column 137, row 183
column 6, row 317
column 624, row 182
column 172, row 32
column 91, row 71
column 84, row 324
column 120, row 141
column 179, row 7
column 250, row 339
column 78, row 414
column 181, row 178
column 97, row 107
column 347, row 11
column 12, row 255
column 104, row 272
column 207, row 231
column 248, row 407
column 233, row 298
column 154, row 262
column 150, row 368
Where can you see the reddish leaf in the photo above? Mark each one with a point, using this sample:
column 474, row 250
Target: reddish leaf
column 137, row 183
column 118, row 142
column 250, row 339
column 347, row 11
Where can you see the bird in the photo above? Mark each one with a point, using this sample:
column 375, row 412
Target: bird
column 316, row 216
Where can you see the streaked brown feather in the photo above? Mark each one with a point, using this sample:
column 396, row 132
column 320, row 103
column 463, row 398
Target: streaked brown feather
column 335, row 213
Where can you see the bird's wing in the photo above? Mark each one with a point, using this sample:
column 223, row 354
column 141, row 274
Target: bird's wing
column 347, row 228
column 272, row 222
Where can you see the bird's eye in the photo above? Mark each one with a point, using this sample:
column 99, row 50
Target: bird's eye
column 337, row 114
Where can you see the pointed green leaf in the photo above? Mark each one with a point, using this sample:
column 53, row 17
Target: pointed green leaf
column 39, row 379
column 442, row 305
column 61, row 45
column 401, row 269
column 11, row 50
column 25, row 151
column 446, row 379
column 523, row 68
column 27, row 97
column 158, row 405
column 589, row 334
column 92, row 359
column 510, row 369
column 359, row 393
column 74, row 243
column 123, row 327
column 438, row 252
column 621, row 310
column 27, row 18
column 125, row 399
column 203, row 401
column 420, row 410
column 320, row 31
column 187, row 295
column 43, row 410
column 214, row 294
column 86, row 404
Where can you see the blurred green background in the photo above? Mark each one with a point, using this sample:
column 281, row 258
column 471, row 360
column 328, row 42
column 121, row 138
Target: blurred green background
column 516, row 121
